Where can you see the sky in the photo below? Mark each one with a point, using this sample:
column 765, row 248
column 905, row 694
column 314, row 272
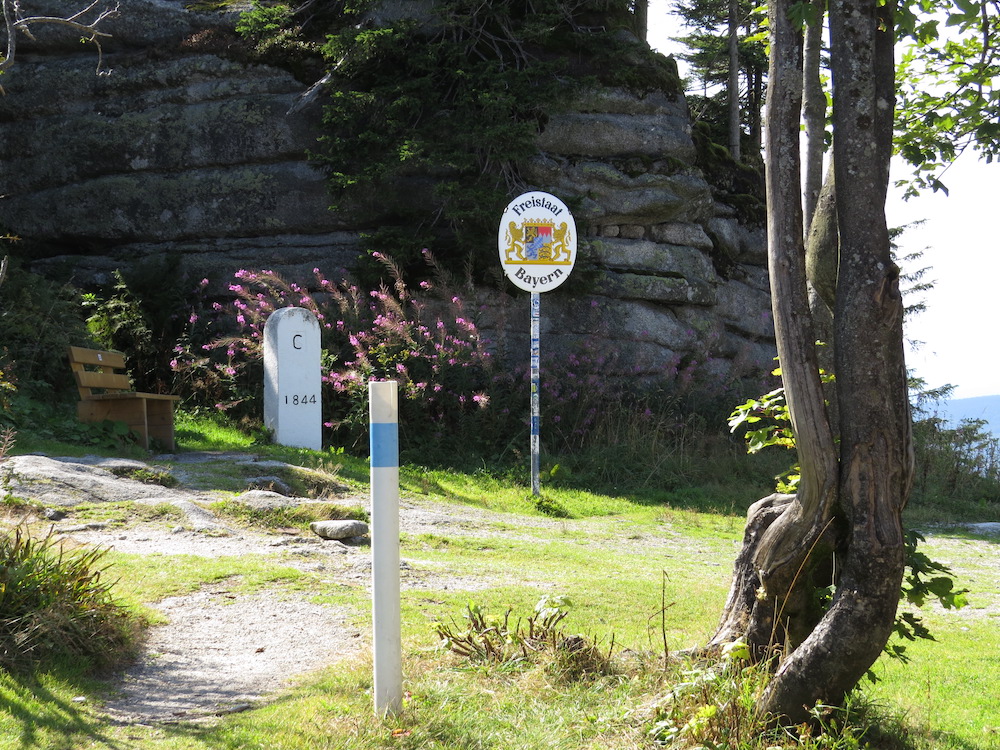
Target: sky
column 960, row 242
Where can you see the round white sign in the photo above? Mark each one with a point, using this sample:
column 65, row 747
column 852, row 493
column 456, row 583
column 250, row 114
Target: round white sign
column 537, row 241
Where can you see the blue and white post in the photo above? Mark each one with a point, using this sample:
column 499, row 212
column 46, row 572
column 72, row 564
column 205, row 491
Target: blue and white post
column 387, row 641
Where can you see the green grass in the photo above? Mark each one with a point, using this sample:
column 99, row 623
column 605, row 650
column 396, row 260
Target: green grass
column 935, row 510
column 949, row 691
column 145, row 579
column 121, row 514
column 615, row 591
column 197, row 433
column 507, row 495
column 619, row 556
column 946, row 692
column 39, row 711
column 298, row 516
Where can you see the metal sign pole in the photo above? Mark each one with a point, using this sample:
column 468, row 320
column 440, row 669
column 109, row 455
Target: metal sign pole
column 536, row 414
column 537, row 245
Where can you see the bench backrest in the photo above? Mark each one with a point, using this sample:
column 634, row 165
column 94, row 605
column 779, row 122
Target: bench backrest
column 96, row 369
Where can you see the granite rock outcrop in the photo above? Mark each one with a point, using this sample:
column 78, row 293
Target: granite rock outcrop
column 176, row 146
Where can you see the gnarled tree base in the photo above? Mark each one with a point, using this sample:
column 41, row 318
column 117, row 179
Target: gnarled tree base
column 818, row 654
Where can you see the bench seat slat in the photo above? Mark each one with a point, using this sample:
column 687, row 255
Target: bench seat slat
column 116, row 380
column 96, row 358
column 132, row 395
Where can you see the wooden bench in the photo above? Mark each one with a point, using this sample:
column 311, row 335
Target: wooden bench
column 148, row 415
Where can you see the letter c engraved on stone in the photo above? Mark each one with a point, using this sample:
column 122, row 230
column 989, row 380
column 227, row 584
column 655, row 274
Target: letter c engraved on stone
column 295, row 341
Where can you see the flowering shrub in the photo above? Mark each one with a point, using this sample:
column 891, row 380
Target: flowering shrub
column 430, row 346
column 458, row 402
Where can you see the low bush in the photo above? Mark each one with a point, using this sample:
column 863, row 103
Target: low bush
column 39, row 319
column 435, row 353
column 55, row 420
column 146, row 475
column 55, row 604
column 538, row 639
column 714, row 706
column 142, row 313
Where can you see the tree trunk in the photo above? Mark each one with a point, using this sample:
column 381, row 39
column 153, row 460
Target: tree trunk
column 822, row 266
column 789, row 546
column 850, row 498
column 875, row 447
column 746, row 616
column 756, row 88
column 734, row 79
column 823, row 245
column 813, row 110
column 642, row 18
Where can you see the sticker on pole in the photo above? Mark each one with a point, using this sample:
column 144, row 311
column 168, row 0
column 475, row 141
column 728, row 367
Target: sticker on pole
column 537, row 241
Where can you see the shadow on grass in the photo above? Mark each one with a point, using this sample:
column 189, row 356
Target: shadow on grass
column 44, row 718
column 972, row 532
column 346, row 724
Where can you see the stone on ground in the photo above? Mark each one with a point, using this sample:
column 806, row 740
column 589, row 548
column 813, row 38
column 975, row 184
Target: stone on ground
column 339, row 529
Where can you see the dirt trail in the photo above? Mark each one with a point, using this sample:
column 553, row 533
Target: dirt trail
column 222, row 651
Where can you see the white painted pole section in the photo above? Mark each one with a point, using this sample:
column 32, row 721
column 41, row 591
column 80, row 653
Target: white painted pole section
column 536, row 413
column 388, row 649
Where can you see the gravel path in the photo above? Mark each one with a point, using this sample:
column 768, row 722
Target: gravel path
column 222, row 651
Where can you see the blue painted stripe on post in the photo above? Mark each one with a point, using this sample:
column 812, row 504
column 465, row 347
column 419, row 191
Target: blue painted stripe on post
column 384, row 444
column 536, row 423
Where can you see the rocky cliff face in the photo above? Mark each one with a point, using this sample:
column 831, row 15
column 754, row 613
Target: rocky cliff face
column 175, row 148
